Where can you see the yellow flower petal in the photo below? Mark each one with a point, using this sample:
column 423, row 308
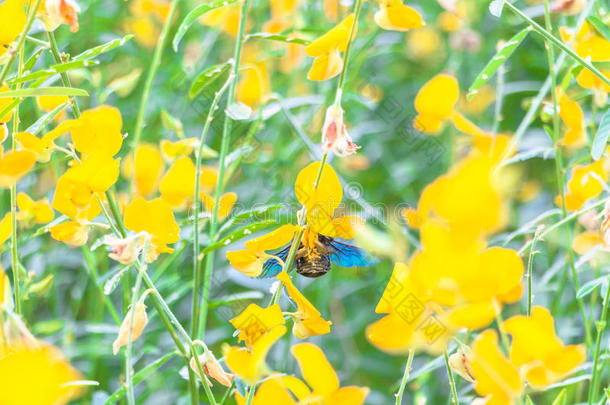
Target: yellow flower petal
column 326, row 197
column 148, row 168
column 14, row 165
column 178, row 183
column 435, row 101
column 326, row 66
column 336, row 38
column 254, row 322
column 98, row 131
column 393, row 15
column 316, row 369
column 71, row 233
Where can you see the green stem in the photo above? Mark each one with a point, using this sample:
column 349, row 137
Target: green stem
column 154, row 66
column 601, row 326
column 64, row 76
column 530, row 268
column 197, row 276
column 224, row 149
column 559, row 168
column 454, row 396
column 405, row 377
column 352, row 34
column 550, row 37
column 21, row 41
column 131, row 399
column 92, row 267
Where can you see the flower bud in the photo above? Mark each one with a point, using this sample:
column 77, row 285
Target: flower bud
column 212, row 368
column 334, row 133
column 123, row 250
column 61, row 12
column 460, row 363
column 140, row 319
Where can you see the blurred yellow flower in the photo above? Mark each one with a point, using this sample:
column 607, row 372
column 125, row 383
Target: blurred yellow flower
column 323, row 380
column 227, row 201
column 307, row 319
column 537, row 349
column 573, row 118
column 226, row 18
column 250, row 260
column 148, row 168
column 156, row 218
column 586, row 182
column 5, row 102
column 178, row 183
column 39, row 211
column 182, row 147
column 71, row 233
column 5, row 228
column 146, row 16
column 423, row 43
column 393, row 15
column 14, row 165
column 449, row 21
column 253, row 86
column 435, row 102
column 49, row 103
column 12, row 21
column 326, row 51
column 271, row 391
column 588, row 43
column 36, row 375
column 496, row 378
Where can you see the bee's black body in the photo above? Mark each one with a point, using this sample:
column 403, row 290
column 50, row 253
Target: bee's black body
column 316, row 264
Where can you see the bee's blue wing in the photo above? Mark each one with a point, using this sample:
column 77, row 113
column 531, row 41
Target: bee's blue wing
column 350, row 256
column 272, row 267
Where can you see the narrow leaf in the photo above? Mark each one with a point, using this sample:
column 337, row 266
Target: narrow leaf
column 589, row 287
column 599, row 26
column 195, row 14
column 209, row 76
column 45, row 120
column 278, row 37
column 239, row 234
column 601, row 137
column 561, row 398
column 100, row 49
column 45, row 91
column 501, row 56
column 239, row 297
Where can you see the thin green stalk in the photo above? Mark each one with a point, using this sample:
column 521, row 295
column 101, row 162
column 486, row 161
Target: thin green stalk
column 454, row 396
column 405, row 377
column 559, row 168
column 250, row 395
column 20, row 41
column 92, row 267
column 530, row 268
column 224, row 149
column 352, row 34
column 197, row 276
column 64, row 76
column 154, row 66
column 227, row 393
column 550, row 37
column 601, row 326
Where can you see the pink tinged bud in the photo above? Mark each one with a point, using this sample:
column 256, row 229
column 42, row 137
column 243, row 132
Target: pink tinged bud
column 334, row 133
column 123, row 250
column 140, row 319
column 62, row 12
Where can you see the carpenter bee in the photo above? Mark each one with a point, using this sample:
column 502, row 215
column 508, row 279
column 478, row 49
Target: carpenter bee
column 315, row 260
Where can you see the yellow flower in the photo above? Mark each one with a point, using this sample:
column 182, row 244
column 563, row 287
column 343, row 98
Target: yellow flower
column 71, row 233
column 584, row 242
column 250, row 260
column 271, row 391
column 42, row 147
column 183, row 147
column 39, row 212
column 144, row 30
column 12, row 21
column 282, row 14
column 49, row 103
column 326, row 51
column 393, row 15
column 587, row 43
column 98, row 131
column 496, row 378
column 413, row 322
column 585, row 183
column 536, row 348
column 178, row 184
column 588, row 80
column 23, row 365
column 57, row 12
column 307, row 319
column 573, row 118
column 449, row 21
column 14, row 165
column 156, row 218
column 322, row 379
column 253, row 87
column 435, row 102
column 227, row 201
column 225, row 18
column 260, row 329
column 148, row 168
column 79, row 188
column 424, row 43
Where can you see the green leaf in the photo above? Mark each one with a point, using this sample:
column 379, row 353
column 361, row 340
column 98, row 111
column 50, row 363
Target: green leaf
column 278, row 37
column 45, row 120
column 209, row 76
column 239, row 297
column 239, row 234
column 172, row 123
column 589, row 287
column 601, row 137
column 254, row 214
column 45, row 91
column 29, row 64
column 100, row 49
column 561, row 398
column 195, row 14
column 528, row 401
column 599, row 26
column 495, row 8
column 500, row 57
